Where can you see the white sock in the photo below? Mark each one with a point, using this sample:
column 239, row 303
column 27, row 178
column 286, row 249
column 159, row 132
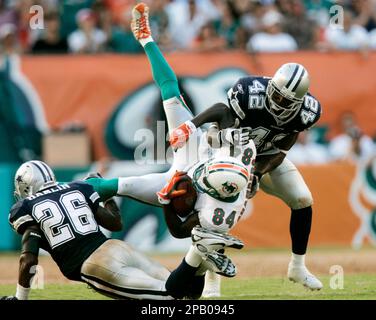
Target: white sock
column 192, row 257
column 22, row 293
column 298, row 260
column 212, row 284
column 145, row 41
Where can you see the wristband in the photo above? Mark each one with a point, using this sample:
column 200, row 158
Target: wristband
column 22, row 293
column 191, row 126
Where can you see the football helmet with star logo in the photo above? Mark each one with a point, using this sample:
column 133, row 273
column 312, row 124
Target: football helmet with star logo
column 31, row 177
column 286, row 91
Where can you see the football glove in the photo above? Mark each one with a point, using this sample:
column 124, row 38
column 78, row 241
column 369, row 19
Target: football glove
column 181, row 134
column 169, row 190
column 8, row 298
column 233, row 136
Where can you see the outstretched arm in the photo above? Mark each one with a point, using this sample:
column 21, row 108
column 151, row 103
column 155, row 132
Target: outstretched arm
column 105, row 188
column 219, row 113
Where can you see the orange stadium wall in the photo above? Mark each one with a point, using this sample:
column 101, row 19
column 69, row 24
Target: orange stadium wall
column 334, row 221
column 90, row 89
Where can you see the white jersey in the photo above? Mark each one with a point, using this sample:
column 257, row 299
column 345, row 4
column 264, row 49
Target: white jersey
column 214, row 213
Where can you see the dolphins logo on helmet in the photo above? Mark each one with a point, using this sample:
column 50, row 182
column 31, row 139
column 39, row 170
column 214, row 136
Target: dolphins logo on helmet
column 222, row 178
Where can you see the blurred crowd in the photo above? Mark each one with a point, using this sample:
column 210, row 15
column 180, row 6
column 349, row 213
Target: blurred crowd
column 351, row 144
column 94, row 26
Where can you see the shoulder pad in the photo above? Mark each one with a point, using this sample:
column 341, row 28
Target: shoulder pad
column 310, row 112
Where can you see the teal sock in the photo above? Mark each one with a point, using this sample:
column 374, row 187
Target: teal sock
column 163, row 75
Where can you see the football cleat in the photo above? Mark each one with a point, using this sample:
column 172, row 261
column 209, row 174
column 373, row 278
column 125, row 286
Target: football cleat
column 207, row 241
column 220, row 264
column 303, row 276
column 140, row 21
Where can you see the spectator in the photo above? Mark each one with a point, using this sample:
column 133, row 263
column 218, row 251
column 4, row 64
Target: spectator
column 24, row 32
column 186, row 20
column 228, row 23
column 251, row 17
column 318, row 11
column 103, row 16
column 51, row 42
column 8, row 39
column 68, row 11
column 372, row 39
column 159, row 23
column 241, row 38
column 208, row 39
column 87, row 39
column 7, row 15
column 308, row 151
column 297, row 23
column 118, row 7
column 364, row 13
column 351, row 144
column 122, row 39
column 351, row 37
column 272, row 39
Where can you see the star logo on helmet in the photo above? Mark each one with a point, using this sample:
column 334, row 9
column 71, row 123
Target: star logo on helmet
column 229, row 187
column 19, row 179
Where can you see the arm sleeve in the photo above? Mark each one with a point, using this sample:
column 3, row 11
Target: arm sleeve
column 106, row 189
column 219, row 113
column 31, row 240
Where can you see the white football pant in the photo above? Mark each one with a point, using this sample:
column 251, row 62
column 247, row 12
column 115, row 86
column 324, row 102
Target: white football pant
column 118, row 271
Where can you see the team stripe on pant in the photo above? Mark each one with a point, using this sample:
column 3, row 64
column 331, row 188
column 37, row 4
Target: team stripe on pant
column 117, row 291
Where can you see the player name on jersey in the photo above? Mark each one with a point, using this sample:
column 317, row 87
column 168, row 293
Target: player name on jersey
column 49, row 191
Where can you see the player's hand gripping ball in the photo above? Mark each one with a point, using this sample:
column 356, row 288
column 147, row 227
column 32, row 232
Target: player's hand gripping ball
column 183, row 205
column 180, row 193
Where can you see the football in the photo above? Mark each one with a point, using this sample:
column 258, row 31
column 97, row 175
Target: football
column 184, row 205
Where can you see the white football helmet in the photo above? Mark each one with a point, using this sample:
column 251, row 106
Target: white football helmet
column 286, row 91
column 222, row 178
column 31, row 177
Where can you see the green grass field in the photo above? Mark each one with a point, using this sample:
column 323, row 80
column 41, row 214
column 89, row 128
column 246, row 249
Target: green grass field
column 356, row 286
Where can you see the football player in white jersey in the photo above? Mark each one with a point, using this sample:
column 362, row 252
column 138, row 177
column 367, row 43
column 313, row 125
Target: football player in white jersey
column 221, row 177
column 224, row 187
